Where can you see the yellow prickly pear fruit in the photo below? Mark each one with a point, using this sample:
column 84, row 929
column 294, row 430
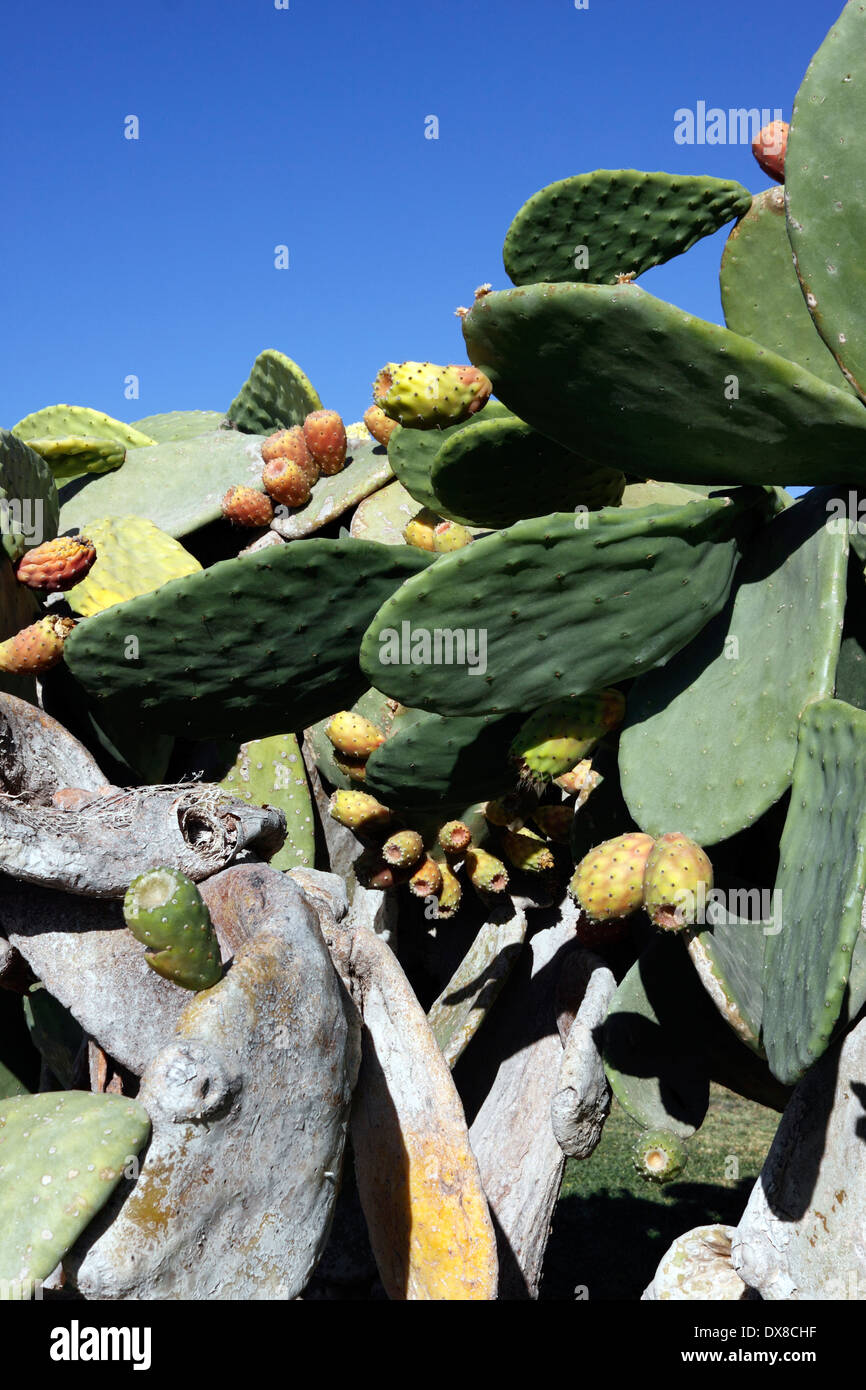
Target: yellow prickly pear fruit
column 527, row 851
column 678, row 874
column 449, row 894
column 454, row 837
column 353, row 735
column 358, row 811
column 486, row 872
column 420, row 529
column 403, row 849
column 609, row 881
column 450, row 535
column 558, row 735
column 423, row 396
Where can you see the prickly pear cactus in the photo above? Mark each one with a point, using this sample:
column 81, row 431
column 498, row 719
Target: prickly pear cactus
column 164, row 910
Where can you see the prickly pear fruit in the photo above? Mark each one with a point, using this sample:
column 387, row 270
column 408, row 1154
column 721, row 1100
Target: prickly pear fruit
column 35, row 648
column 56, row 565
column 609, row 881
column 424, row 396
column 379, row 424
column 449, row 894
column 769, row 147
column 358, row 810
column 449, row 535
column 286, row 482
column 527, row 851
column 246, row 507
column 325, row 436
column 371, row 871
column 403, row 849
column 291, row 445
column 505, row 811
column 555, row 822
column 165, row 912
column 355, row 768
column 420, row 529
column 454, row 836
column 677, row 873
column 579, row 782
column 426, row 881
column 558, row 735
column 354, row 735
column 659, row 1156
column 486, row 873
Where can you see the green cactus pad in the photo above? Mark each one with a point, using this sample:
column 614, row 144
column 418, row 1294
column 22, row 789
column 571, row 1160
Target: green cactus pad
column 178, row 486
column 175, row 425
column 659, row 1155
column 659, row 495
column 132, row 557
column 79, row 421
column 654, row 386
column 626, row 220
column 61, row 1156
column 165, row 912
column 77, row 455
column 504, row 470
column 432, row 761
column 727, row 950
column 825, row 166
column 821, row 882
column 384, row 515
column 761, row 294
column 270, row 772
column 731, row 704
column 275, row 396
column 551, row 609
column 28, row 497
column 851, row 666
column 367, row 469
column 254, row 646
column 412, row 453
column 55, row 1033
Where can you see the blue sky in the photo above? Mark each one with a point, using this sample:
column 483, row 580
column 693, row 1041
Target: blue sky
column 305, row 127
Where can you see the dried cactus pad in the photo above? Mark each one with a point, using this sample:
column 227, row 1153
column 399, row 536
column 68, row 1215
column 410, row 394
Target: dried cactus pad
column 61, row 1156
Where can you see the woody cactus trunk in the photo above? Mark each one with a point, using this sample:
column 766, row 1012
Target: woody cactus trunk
column 409, row 747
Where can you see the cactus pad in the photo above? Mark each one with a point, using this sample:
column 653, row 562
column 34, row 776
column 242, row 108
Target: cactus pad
column 132, row 557
column 366, row 470
column 61, row 1156
column 821, row 882
column 275, row 396
column 585, row 607
column 724, row 705
column 824, row 171
column 270, row 772
column 28, row 496
column 175, row 425
column 430, row 760
column 412, row 453
column 259, row 645
column 685, row 399
column 77, row 455
column 626, row 219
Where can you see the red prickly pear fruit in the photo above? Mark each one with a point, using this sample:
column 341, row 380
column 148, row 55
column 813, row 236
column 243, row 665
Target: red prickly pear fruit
column 353, row 735
column 454, row 837
column 486, row 873
column 426, row 881
column 36, row 648
column 527, row 851
column 403, row 849
column 555, row 822
column 449, row 535
column 286, row 482
column 358, row 811
column 379, row 424
column 678, row 875
column 244, row 506
column 56, row 565
column 291, row 445
column 325, row 436
column 770, row 146
column 609, row 881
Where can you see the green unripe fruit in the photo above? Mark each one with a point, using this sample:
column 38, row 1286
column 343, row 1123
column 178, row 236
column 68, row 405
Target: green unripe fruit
column 678, row 876
column 558, row 735
column 165, row 912
column 609, row 881
column 527, row 851
column 659, row 1156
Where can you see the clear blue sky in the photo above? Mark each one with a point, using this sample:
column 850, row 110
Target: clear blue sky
column 305, row 127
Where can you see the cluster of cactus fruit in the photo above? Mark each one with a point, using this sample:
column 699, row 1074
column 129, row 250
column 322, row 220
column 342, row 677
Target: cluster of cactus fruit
column 635, row 686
